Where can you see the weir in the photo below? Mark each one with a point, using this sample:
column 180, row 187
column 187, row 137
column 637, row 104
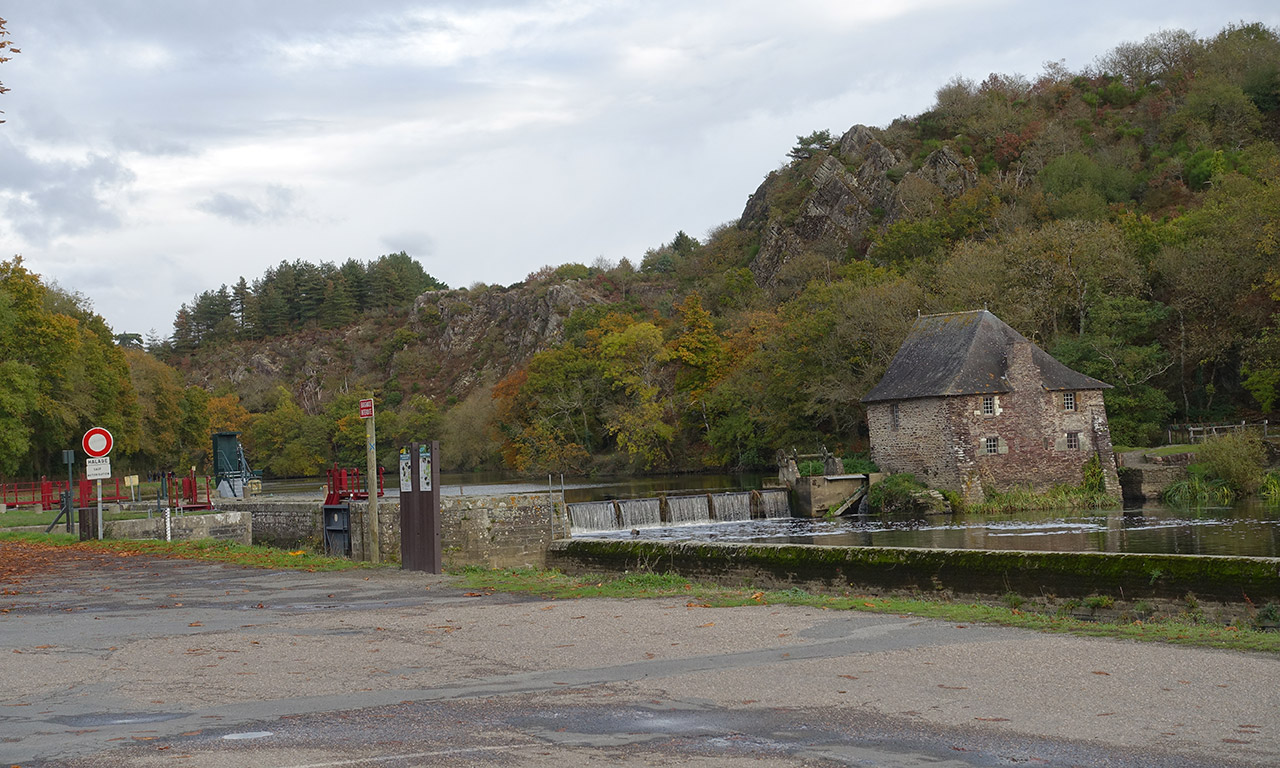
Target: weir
column 625, row 514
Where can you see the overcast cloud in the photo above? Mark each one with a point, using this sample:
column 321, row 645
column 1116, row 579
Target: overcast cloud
column 156, row 149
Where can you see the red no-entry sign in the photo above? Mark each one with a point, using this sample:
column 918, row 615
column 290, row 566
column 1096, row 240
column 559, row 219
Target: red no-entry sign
column 97, row 442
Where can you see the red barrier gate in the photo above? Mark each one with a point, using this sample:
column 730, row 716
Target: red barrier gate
column 345, row 484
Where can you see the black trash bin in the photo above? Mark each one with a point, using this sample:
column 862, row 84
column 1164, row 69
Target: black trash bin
column 337, row 529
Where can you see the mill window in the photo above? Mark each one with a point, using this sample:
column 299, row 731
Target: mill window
column 1073, row 441
column 1068, row 401
column 895, row 417
column 988, row 405
column 991, row 445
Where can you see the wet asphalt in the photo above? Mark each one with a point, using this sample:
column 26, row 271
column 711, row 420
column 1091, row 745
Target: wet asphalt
column 139, row 661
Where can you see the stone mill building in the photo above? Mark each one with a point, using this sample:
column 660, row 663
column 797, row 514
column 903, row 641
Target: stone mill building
column 969, row 404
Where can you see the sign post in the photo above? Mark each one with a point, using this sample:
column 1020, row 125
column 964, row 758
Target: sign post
column 97, row 443
column 371, row 480
column 69, row 458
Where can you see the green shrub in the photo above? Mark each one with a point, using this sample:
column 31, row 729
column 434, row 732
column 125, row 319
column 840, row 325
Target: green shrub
column 1236, row 459
column 859, row 465
column 811, row 468
column 1099, row 602
column 895, row 493
column 1270, row 489
column 954, row 499
column 1094, row 479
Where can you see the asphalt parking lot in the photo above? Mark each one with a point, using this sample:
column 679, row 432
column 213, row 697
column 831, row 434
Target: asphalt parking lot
column 141, row 661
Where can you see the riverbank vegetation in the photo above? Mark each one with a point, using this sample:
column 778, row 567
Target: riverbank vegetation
column 1227, row 467
column 1122, row 216
column 902, row 493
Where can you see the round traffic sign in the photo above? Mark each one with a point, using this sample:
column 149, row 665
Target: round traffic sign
column 97, row 442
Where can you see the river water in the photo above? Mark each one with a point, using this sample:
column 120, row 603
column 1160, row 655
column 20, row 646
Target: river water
column 1249, row 527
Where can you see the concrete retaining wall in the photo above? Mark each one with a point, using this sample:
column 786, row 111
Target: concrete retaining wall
column 950, row 572
column 234, row 526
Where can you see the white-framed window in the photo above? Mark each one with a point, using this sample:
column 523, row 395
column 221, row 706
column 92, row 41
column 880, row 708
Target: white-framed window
column 895, row 417
column 991, row 446
column 988, row 405
column 1068, row 401
column 1073, row 441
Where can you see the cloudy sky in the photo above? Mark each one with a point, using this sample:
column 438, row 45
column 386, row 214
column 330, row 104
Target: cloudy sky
column 154, row 149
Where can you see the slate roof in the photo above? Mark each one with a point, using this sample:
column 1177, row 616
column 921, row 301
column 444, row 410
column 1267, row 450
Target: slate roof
column 965, row 353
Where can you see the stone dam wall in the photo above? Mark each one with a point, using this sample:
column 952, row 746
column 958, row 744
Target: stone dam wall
column 947, row 573
column 510, row 531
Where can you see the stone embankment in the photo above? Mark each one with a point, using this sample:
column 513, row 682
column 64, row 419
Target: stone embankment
column 1143, row 477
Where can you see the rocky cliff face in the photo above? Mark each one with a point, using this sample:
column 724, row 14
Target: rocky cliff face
column 446, row 345
column 861, row 186
column 506, row 327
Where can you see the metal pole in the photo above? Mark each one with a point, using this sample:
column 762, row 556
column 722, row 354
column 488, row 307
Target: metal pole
column 70, row 496
column 99, row 509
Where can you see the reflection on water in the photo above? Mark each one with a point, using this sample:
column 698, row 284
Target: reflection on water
column 1247, row 528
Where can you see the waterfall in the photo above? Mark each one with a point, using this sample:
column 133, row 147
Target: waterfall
column 592, row 516
column 588, row 517
column 774, row 504
column 733, row 507
column 688, row 509
column 640, row 513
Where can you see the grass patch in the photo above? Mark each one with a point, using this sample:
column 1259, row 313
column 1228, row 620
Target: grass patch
column 19, row 516
column 1198, row 490
column 1059, row 497
column 1190, row 630
column 253, row 556
column 1171, row 450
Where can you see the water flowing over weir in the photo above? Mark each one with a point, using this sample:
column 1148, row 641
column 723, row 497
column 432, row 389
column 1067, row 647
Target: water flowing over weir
column 625, row 514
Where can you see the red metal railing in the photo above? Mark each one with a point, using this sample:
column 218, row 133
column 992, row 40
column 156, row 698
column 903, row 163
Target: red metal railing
column 345, row 484
column 44, row 492
column 110, row 492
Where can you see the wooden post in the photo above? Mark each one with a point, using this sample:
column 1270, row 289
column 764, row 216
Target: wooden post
column 371, row 482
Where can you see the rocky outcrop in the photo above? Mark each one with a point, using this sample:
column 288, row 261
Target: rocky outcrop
column 446, row 345
column 519, row 322
column 861, row 186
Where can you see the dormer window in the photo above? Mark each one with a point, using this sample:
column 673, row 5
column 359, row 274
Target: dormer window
column 1068, row 401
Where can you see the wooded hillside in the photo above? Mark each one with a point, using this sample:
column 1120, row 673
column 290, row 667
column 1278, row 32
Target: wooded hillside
column 1125, row 217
